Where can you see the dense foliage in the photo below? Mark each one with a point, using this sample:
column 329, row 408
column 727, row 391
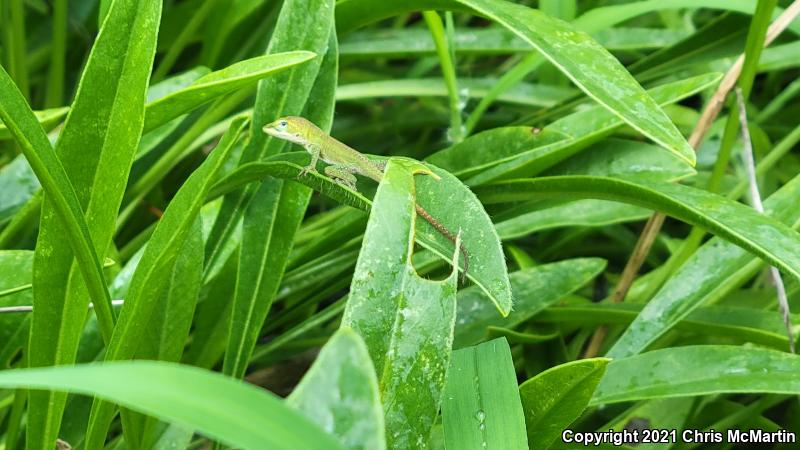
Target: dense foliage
column 553, row 136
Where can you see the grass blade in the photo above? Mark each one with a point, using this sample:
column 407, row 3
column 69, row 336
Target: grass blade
column 155, row 268
column 192, row 397
column 765, row 237
column 481, row 407
column 274, row 208
column 698, row 370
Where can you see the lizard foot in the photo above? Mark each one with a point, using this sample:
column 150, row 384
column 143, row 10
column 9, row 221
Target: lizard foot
column 306, row 170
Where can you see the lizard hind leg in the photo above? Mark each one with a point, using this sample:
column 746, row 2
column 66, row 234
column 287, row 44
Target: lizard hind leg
column 342, row 175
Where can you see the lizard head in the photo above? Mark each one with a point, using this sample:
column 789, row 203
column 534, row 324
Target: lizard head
column 290, row 128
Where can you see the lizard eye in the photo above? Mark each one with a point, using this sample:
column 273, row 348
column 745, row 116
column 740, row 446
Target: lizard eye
column 283, row 123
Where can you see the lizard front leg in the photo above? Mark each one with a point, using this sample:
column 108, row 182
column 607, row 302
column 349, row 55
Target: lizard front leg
column 314, row 150
column 342, row 174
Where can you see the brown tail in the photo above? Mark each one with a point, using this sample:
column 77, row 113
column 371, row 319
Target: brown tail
column 448, row 234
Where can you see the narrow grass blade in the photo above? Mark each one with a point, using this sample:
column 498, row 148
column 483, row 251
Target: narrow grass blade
column 759, row 234
column 533, row 289
column 573, row 52
column 672, row 303
column 698, row 370
column 219, row 83
column 48, row 118
column 523, row 151
column 274, row 208
column 96, row 146
column 155, row 269
column 195, row 398
column 481, row 408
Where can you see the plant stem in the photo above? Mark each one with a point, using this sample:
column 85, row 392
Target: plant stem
column 445, row 54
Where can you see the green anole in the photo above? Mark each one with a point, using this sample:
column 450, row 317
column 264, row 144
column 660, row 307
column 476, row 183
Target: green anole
column 344, row 162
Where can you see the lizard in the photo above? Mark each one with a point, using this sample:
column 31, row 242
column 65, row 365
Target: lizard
column 344, row 162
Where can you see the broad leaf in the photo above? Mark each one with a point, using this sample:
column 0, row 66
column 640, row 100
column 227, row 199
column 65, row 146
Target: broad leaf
column 406, row 321
column 340, row 393
column 556, row 397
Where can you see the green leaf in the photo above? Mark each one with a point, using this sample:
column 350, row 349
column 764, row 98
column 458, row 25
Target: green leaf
column 16, row 267
column 406, row 321
column 272, row 210
column 698, row 370
column 410, row 42
column 446, row 200
column 18, row 116
column 155, row 269
column 97, row 146
column 457, row 208
column 624, row 158
column 288, row 166
column 591, row 68
column 170, row 328
column 743, row 226
column 520, row 151
column 481, row 407
column 609, row 16
column 219, row 83
column 18, row 184
column 556, row 397
column 533, row 290
column 610, row 157
column 48, row 118
column 584, row 213
column 723, row 36
column 711, row 269
column 227, row 16
column 573, row 52
column 340, row 393
column 173, row 84
column 521, row 94
column 746, row 325
column 195, row 398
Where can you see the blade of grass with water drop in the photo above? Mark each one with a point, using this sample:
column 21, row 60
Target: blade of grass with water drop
column 481, row 406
